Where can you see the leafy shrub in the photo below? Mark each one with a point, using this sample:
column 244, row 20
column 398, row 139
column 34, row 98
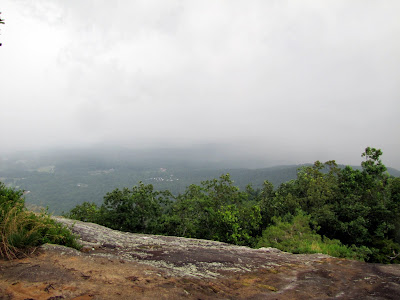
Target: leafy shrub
column 297, row 236
column 86, row 212
column 216, row 210
column 139, row 209
column 21, row 230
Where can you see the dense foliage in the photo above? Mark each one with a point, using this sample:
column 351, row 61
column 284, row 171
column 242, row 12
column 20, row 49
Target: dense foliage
column 342, row 212
column 297, row 236
column 22, row 230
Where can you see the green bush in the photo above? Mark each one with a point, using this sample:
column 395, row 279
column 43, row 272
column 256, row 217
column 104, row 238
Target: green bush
column 297, row 236
column 86, row 212
column 21, row 230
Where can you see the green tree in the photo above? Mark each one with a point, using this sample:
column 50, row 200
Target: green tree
column 237, row 224
column 360, row 207
column 367, row 207
column 216, row 210
column 86, row 212
column 373, row 164
column 139, row 209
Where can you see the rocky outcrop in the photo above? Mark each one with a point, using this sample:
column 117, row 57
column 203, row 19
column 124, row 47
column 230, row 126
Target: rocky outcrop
column 118, row 265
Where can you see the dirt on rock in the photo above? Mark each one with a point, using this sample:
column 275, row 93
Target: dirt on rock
column 118, row 265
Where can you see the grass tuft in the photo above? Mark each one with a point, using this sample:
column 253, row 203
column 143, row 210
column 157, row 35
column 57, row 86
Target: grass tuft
column 21, row 231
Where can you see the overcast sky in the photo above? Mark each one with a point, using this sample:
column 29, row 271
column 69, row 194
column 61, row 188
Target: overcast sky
column 293, row 80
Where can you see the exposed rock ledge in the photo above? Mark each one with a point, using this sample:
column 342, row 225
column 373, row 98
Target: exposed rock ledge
column 117, row 265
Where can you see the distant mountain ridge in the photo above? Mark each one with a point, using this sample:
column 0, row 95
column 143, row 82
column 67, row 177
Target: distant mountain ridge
column 63, row 179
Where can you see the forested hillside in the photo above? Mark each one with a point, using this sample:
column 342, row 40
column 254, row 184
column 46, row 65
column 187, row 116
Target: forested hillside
column 61, row 180
column 343, row 212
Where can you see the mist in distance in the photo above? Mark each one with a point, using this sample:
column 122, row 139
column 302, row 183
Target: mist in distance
column 255, row 84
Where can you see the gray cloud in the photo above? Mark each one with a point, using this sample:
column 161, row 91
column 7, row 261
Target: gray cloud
column 298, row 81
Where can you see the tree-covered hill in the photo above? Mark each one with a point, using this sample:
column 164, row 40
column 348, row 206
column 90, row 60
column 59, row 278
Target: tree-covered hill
column 62, row 179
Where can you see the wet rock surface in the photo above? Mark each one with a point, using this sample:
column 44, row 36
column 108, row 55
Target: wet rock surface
column 118, row 265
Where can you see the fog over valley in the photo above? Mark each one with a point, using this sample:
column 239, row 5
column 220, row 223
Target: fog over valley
column 255, row 84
